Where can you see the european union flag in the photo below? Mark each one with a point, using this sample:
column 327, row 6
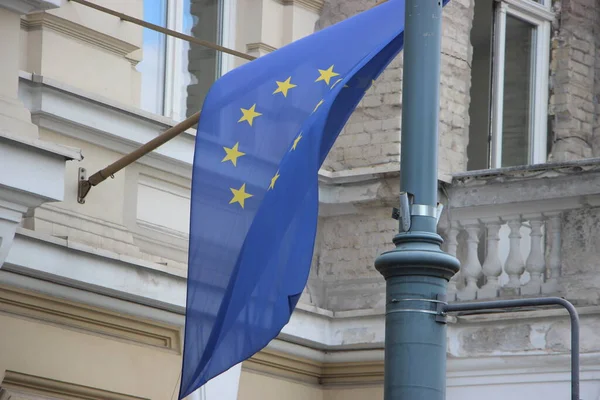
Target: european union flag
column 265, row 129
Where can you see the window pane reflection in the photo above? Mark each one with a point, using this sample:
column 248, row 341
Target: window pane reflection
column 199, row 64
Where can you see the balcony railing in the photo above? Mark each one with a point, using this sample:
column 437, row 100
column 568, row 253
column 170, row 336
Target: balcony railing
column 506, row 227
column 507, row 256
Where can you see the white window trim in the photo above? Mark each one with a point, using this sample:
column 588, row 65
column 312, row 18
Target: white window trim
column 228, row 32
column 540, row 16
column 173, row 60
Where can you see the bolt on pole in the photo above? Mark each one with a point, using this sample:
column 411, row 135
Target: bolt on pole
column 417, row 271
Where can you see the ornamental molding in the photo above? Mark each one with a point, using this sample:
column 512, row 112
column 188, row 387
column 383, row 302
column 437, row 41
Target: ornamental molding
column 29, row 6
column 259, row 47
column 315, row 6
column 93, row 320
column 19, row 383
column 43, row 21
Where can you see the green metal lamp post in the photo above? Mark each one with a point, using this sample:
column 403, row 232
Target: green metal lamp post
column 417, row 271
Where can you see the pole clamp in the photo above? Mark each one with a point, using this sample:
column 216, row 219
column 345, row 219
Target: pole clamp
column 440, row 303
column 423, row 210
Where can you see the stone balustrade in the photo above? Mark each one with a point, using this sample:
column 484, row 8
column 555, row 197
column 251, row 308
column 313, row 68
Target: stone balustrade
column 508, row 256
column 524, row 231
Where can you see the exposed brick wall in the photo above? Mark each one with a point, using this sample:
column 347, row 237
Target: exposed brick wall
column 573, row 82
column 596, row 99
column 343, row 275
column 372, row 135
column 457, row 54
column 348, row 247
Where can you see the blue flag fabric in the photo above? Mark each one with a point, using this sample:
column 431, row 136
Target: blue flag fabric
column 266, row 128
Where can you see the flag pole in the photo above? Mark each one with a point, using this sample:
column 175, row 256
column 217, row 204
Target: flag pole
column 417, row 271
column 166, row 31
column 85, row 184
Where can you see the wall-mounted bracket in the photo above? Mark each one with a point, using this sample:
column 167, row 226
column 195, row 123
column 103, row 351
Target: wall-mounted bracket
column 402, row 214
column 83, row 186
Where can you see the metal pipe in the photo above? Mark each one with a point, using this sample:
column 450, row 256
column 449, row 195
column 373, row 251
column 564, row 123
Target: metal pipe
column 166, row 31
column 542, row 301
column 417, row 271
column 420, row 106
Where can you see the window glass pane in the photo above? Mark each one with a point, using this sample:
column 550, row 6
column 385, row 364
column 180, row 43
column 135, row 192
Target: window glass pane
column 152, row 66
column 517, row 110
column 201, row 19
column 481, row 85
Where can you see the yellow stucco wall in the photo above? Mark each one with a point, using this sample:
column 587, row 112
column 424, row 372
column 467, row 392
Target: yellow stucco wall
column 354, row 393
column 83, row 358
column 256, row 386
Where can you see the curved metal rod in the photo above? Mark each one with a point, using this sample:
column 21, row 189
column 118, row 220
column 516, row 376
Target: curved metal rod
column 542, row 301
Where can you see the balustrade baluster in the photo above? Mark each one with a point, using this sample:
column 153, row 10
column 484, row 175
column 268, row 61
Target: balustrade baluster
column 514, row 265
column 451, row 246
column 536, row 263
column 492, row 266
column 472, row 265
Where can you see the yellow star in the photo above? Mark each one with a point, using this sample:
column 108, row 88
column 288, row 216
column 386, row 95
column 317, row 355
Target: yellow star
column 273, row 180
column 232, row 154
column 317, row 106
column 240, row 195
column 283, row 87
column 326, row 75
column 296, row 141
column 249, row 114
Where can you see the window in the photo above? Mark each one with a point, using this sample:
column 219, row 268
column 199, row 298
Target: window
column 509, row 87
column 176, row 74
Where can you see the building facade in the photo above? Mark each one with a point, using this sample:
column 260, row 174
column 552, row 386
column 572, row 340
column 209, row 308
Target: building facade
column 92, row 296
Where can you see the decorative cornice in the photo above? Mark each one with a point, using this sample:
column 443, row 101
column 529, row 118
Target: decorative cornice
column 29, row 6
column 259, row 46
column 298, row 369
column 461, row 371
column 536, row 189
column 104, row 122
column 545, row 170
column 312, row 5
column 286, row 366
column 353, row 374
column 70, row 315
column 37, row 21
column 18, row 383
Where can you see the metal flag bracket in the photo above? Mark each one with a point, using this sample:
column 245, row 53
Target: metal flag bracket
column 407, row 209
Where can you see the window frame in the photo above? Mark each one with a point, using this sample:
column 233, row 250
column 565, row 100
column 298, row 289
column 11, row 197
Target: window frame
column 173, row 89
column 540, row 16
